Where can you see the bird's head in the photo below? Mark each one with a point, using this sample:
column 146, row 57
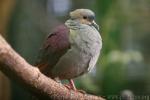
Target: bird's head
column 85, row 16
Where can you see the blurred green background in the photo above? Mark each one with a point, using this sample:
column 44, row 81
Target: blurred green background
column 124, row 63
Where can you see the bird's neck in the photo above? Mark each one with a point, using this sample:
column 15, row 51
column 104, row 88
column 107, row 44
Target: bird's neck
column 72, row 24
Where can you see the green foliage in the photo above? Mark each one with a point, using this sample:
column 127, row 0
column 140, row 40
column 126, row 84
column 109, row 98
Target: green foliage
column 121, row 60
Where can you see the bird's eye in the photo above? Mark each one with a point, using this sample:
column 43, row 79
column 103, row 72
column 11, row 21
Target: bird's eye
column 85, row 17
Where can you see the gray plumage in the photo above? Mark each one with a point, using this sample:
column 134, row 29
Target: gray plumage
column 72, row 49
column 86, row 44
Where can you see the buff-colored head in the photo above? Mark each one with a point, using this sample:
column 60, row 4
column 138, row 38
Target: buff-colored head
column 85, row 16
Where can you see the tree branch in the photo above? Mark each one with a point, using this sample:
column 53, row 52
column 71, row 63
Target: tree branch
column 15, row 67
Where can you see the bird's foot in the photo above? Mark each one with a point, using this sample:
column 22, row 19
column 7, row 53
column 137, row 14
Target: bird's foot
column 76, row 90
column 68, row 86
column 81, row 91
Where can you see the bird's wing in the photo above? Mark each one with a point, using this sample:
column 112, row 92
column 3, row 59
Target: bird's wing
column 55, row 46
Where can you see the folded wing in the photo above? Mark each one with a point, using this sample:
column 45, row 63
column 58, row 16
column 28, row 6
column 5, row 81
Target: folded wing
column 54, row 47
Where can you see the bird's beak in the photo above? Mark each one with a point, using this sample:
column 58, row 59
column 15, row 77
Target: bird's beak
column 95, row 25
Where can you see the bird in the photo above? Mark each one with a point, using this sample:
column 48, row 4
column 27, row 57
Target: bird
column 71, row 49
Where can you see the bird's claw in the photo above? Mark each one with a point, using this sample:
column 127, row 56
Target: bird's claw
column 70, row 88
column 81, row 91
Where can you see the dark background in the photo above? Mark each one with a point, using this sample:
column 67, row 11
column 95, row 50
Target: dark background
column 124, row 63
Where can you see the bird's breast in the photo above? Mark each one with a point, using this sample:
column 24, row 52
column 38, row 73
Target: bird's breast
column 88, row 42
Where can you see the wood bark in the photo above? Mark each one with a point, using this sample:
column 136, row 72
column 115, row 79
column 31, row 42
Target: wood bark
column 15, row 67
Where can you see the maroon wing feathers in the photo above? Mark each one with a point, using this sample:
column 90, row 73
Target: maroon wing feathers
column 59, row 39
column 55, row 46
